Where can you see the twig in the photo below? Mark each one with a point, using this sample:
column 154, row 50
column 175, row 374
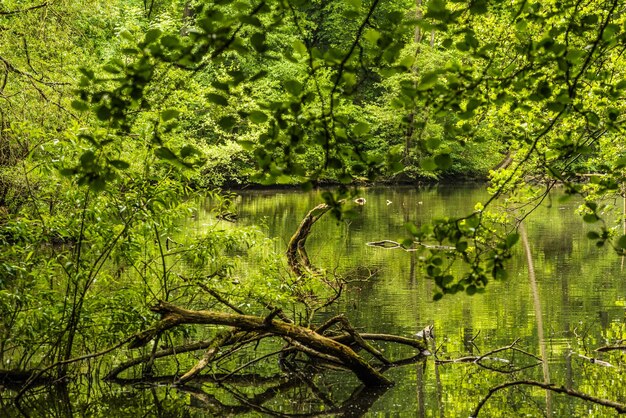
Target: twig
column 620, row 408
column 611, row 348
column 392, row 245
column 209, row 355
column 213, row 293
column 36, row 376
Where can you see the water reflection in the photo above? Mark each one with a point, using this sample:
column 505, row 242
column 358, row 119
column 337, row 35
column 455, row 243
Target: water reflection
column 576, row 304
column 579, row 300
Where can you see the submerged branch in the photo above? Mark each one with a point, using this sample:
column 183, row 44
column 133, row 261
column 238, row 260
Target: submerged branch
column 392, row 245
column 173, row 316
column 620, row 408
column 297, row 257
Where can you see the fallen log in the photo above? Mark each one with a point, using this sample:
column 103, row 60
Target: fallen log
column 172, row 316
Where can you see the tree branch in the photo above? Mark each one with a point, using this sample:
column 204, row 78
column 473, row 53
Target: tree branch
column 620, row 408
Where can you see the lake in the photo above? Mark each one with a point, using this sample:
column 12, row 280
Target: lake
column 580, row 297
column 573, row 304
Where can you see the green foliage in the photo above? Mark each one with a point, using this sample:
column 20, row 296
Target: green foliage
column 115, row 114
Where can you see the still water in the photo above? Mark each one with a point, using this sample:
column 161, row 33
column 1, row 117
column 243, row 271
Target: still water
column 575, row 304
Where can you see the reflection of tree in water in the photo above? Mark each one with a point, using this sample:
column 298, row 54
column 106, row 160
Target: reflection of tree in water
column 293, row 394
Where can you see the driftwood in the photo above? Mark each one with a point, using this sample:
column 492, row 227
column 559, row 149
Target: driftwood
column 172, row 316
column 297, row 257
column 245, row 329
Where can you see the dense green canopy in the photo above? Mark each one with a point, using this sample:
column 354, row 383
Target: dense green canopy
column 115, row 115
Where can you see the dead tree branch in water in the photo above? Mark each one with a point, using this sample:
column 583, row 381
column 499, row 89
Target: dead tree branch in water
column 311, row 342
column 620, row 408
column 479, row 360
column 297, row 257
column 388, row 244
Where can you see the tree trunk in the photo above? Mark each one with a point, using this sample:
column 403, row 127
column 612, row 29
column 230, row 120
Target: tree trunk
column 173, row 315
column 297, row 257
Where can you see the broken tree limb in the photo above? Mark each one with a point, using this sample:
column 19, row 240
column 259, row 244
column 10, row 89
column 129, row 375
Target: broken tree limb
column 297, row 257
column 209, row 354
column 478, row 360
column 345, row 325
column 388, row 244
column 415, row 343
column 173, row 316
column 620, row 408
column 611, row 348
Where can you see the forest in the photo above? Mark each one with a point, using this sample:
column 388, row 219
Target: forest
column 312, row 208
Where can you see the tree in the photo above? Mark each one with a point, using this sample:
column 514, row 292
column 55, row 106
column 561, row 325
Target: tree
column 285, row 83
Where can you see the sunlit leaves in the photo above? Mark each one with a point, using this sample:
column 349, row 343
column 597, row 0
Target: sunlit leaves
column 169, row 114
column 218, row 99
column 256, row 116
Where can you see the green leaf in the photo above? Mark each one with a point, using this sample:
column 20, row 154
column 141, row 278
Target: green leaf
column 412, row 228
column 593, row 235
column 119, row 164
column 590, row 218
column 293, row 87
column 87, row 73
column 87, row 158
column 247, row 145
column 170, row 41
column 511, row 240
column 256, row 116
column 428, row 164
column 97, row 184
column 437, row 5
column 258, row 42
column 152, row 35
column 428, row 80
column 217, row 99
column 80, row 105
column 361, row 128
column 407, row 243
column 335, row 163
column 443, row 161
column 433, row 143
column 372, row 35
column 103, row 113
column 189, row 150
column 68, row 172
column 165, row 153
column 111, row 69
column 621, row 242
column 299, row 47
column 227, row 122
column 169, row 114
column 609, row 32
column 621, row 162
